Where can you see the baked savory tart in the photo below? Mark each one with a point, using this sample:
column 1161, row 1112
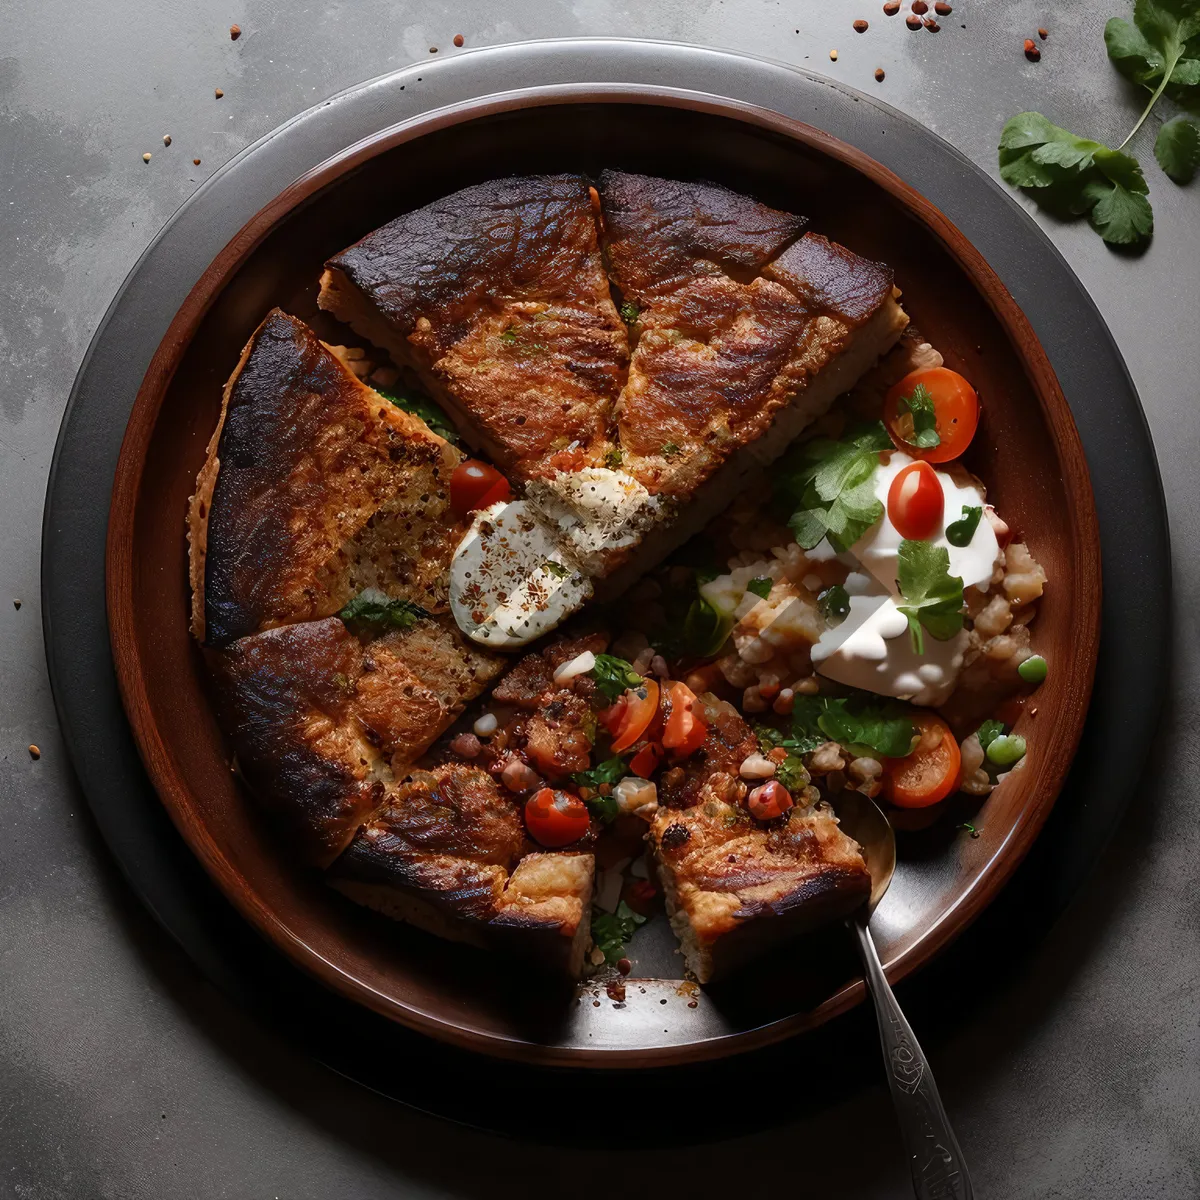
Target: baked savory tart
column 641, row 360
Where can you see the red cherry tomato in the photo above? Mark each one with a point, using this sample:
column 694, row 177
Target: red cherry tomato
column 476, row 485
column 685, row 728
column 915, row 502
column 931, row 772
column 641, row 707
column 769, row 800
column 556, row 818
column 646, row 761
column 955, row 409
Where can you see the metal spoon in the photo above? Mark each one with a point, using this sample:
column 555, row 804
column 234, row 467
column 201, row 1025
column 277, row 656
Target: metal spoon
column 939, row 1171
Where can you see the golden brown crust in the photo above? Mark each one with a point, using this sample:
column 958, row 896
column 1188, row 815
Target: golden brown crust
column 497, row 295
column 321, row 488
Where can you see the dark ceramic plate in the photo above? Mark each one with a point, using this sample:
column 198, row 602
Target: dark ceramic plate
column 1029, row 451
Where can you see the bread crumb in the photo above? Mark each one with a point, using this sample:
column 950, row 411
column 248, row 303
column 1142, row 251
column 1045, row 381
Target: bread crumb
column 218, row 93
column 833, row 56
column 146, row 156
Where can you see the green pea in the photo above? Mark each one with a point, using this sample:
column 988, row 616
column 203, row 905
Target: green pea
column 1033, row 670
column 1007, row 750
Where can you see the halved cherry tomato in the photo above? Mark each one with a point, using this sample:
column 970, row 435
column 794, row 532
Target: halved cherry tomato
column 647, row 760
column 955, row 408
column 685, row 728
column 769, row 800
column 556, row 818
column 931, row 772
column 915, row 503
column 641, row 707
column 475, row 485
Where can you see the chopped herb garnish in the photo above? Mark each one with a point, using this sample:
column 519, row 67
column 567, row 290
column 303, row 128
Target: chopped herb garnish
column 612, row 770
column 614, row 675
column 556, row 569
column 924, row 418
column 988, row 732
column 604, row 808
column 881, row 727
column 932, row 597
column 829, row 486
column 509, row 336
column 834, row 604
column 669, row 450
column 374, row 612
column 790, row 772
column 760, row 585
column 969, row 828
column 423, row 407
column 613, row 458
column 611, row 931
column 959, row 533
column 630, row 312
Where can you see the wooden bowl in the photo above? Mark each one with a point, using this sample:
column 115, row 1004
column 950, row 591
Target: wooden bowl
column 1027, row 451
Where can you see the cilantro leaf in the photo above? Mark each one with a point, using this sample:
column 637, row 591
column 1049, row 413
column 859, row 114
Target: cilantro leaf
column 1120, row 212
column 959, row 533
column 612, row 770
column 829, row 484
column 421, row 406
column 924, row 418
column 374, row 612
column 613, row 675
column 612, row 931
column 933, row 598
column 882, row 727
column 1159, row 48
column 1177, row 149
column 988, row 732
column 760, row 585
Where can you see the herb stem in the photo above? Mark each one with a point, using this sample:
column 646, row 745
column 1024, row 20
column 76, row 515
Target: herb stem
column 1158, row 91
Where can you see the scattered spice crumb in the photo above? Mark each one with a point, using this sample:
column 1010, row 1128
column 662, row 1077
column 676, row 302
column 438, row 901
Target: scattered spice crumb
column 459, row 39
column 235, row 32
column 432, row 49
column 1033, row 712
column 616, row 990
column 878, row 74
column 912, row 21
column 146, row 156
column 595, row 1003
column 931, row 25
column 892, row 7
column 920, row 7
column 218, row 93
column 942, row 8
column 195, row 162
column 1043, row 33
column 860, row 26
column 833, row 56
column 16, row 604
column 166, row 139
column 1031, row 51
column 34, row 753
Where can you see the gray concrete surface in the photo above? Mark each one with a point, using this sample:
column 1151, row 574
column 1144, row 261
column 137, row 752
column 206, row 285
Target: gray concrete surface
column 122, row 1074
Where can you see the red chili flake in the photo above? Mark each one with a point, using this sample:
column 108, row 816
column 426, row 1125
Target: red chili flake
column 931, row 25
column 1043, row 33
column 1031, row 51
column 878, row 74
column 892, row 7
column 920, row 7
column 860, row 26
column 235, row 32
column 459, row 40
column 912, row 22
column 942, row 8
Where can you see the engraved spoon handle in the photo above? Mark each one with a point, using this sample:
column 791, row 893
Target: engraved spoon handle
column 939, row 1171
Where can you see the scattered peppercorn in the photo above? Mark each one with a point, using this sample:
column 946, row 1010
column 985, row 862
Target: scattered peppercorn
column 34, row 753
column 166, row 139
column 459, row 39
column 860, row 26
column 195, row 162
column 892, row 7
column 1031, row 51
column 942, row 8
column 920, row 7
column 931, row 25
column 878, row 74
column 432, row 49
column 146, row 157
column 235, row 32
column 1043, row 33
column 912, row 22
column 833, row 56
column 218, row 93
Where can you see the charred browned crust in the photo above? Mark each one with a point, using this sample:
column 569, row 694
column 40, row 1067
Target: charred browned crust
column 314, row 488
column 449, row 854
column 497, row 296
column 320, row 723
column 829, row 279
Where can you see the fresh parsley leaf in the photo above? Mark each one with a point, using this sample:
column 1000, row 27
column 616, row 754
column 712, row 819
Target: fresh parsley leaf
column 555, row 568
column 829, row 485
column 933, row 598
column 988, row 732
column 881, row 727
column 1119, row 210
column 959, row 533
column 807, row 734
column 705, row 629
column 612, row 770
column 1177, row 149
column 760, row 585
column 611, row 931
column 614, row 675
column 834, row 604
column 791, row 772
column 630, row 312
column 423, row 407
column 374, row 612
column 604, row 808
column 669, row 450
column 924, row 418
column 1160, row 47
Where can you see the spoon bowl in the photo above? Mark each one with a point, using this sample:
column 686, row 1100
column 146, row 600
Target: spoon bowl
column 863, row 820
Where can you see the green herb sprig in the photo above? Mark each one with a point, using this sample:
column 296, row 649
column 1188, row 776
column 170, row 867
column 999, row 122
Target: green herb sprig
column 614, row 675
column 611, row 932
column 932, row 597
column 1073, row 176
column 421, row 406
column 919, row 405
column 373, row 612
